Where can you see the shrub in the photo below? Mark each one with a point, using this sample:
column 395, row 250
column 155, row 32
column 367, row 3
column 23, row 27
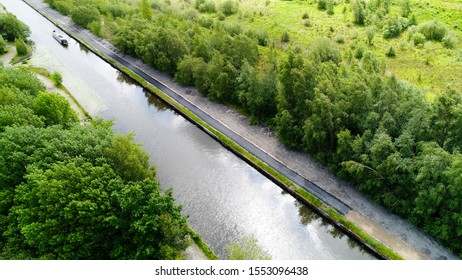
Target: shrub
column 229, row 7
column 330, row 7
column 83, row 15
column 391, row 52
column 262, row 37
column 394, row 27
column 63, row 7
column 2, row 45
column 307, row 23
column 340, row 39
column 418, row 39
column 322, row 4
column 449, row 41
column 359, row 51
column 21, row 47
column 433, row 30
column 57, row 78
column 285, row 38
column 359, row 14
column 207, row 7
column 370, row 34
column 305, row 16
column 325, row 50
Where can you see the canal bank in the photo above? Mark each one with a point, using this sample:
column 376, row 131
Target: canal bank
column 262, row 144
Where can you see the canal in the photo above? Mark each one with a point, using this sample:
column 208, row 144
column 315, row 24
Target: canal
column 223, row 196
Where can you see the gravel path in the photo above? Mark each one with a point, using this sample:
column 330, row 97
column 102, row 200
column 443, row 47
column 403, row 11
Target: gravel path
column 365, row 213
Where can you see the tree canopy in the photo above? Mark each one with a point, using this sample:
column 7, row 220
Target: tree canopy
column 339, row 104
column 71, row 191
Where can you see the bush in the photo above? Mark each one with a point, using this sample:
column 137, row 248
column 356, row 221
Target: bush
column 63, row 7
column 340, row 39
column 21, row 47
column 262, row 37
column 433, row 30
column 325, row 50
column 2, row 45
column 391, row 52
column 322, row 4
column 394, row 27
column 11, row 28
column 229, row 7
column 285, row 38
column 57, row 78
column 207, row 7
column 83, row 15
column 359, row 51
column 305, row 16
column 418, row 39
column 370, row 34
column 449, row 41
column 359, row 14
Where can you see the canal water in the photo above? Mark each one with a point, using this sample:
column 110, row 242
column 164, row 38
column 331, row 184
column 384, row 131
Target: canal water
column 224, row 197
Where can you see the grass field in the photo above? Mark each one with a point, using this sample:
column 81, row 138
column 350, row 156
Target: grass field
column 430, row 66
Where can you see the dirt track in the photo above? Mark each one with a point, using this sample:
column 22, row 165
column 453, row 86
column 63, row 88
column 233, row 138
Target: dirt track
column 389, row 229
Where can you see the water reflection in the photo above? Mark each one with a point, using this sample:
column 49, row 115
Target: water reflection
column 156, row 102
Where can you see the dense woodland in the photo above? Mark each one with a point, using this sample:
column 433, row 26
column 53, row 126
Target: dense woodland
column 75, row 191
column 341, row 106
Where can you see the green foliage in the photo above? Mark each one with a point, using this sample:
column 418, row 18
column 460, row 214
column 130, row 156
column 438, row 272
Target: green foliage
column 359, row 15
column 84, row 15
column 55, row 109
column 21, row 47
column 11, row 28
column 206, row 6
column 370, row 34
column 285, row 37
column 64, row 7
column 229, row 7
column 394, row 26
column 76, row 193
column 418, row 39
column 406, row 8
column 325, row 50
column 449, row 40
column 146, row 11
column 2, row 45
column 433, row 30
column 247, row 248
column 391, row 52
column 322, row 4
column 57, row 78
column 352, row 114
column 128, row 159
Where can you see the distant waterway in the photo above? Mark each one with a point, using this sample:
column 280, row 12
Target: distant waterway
column 223, row 196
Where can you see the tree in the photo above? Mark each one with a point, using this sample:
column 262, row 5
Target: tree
column 55, row 109
column 65, row 200
column 247, row 248
column 146, row 11
column 84, row 15
column 21, row 47
column 2, row 45
column 359, row 14
column 128, row 159
column 76, row 210
column 370, row 34
column 57, row 78
column 229, row 7
column 11, row 28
